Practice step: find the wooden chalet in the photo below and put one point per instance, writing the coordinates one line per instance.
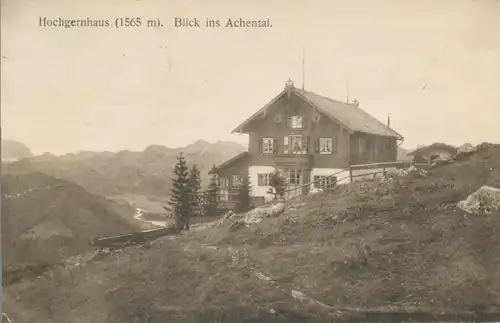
(307, 137)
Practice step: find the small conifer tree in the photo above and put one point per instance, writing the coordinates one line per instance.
(194, 186)
(212, 195)
(278, 184)
(244, 196)
(180, 193)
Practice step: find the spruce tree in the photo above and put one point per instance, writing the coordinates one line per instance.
(194, 186)
(180, 193)
(212, 197)
(244, 196)
(278, 184)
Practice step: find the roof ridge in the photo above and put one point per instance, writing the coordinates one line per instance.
(328, 98)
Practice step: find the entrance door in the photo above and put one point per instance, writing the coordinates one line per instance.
(296, 178)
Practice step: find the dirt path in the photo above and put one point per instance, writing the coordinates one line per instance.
(5, 318)
(138, 216)
(239, 258)
(31, 190)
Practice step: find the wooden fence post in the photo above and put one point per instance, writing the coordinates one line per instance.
(350, 174)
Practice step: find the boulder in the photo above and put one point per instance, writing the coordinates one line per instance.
(412, 170)
(228, 215)
(484, 201)
(258, 214)
(237, 225)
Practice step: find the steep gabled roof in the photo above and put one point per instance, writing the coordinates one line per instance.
(229, 162)
(259, 112)
(349, 115)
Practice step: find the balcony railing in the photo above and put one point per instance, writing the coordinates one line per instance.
(324, 183)
(304, 160)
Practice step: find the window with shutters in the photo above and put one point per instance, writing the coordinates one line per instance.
(298, 145)
(267, 145)
(263, 179)
(224, 194)
(223, 182)
(325, 145)
(286, 150)
(237, 181)
(324, 181)
(296, 122)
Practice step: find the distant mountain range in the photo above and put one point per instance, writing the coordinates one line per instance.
(45, 219)
(147, 172)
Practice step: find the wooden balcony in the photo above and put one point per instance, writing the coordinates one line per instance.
(300, 161)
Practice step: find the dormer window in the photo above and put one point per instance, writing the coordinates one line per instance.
(295, 122)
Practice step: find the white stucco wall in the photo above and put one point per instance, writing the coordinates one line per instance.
(253, 172)
(342, 175)
(327, 172)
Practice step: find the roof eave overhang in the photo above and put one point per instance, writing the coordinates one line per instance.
(395, 136)
(228, 162)
(261, 112)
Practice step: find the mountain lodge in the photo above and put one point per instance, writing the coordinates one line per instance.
(307, 137)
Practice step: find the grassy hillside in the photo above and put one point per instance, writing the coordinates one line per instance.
(373, 244)
(45, 219)
(402, 242)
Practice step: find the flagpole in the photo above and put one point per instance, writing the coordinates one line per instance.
(303, 69)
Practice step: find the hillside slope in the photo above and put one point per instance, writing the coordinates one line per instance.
(45, 219)
(148, 172)
(398, 243)
(13, 150)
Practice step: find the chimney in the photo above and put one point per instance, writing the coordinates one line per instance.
(289, 86)
(389, 121)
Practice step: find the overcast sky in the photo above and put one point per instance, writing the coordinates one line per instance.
(433, 65)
